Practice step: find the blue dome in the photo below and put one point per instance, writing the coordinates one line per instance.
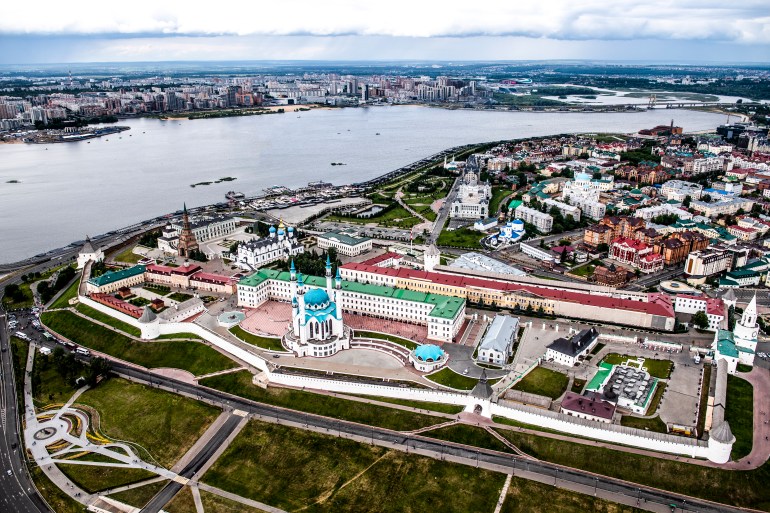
(272, 229)
(429, 353)
(291, 228)
(316, 297)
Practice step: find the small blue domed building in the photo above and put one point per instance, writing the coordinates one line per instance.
(428, 357)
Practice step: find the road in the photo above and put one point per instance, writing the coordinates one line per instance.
(412, 442)
(200, 459)
(655, 278)
(388, 438)
(17, 492)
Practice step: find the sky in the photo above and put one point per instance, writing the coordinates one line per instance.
(684, 31)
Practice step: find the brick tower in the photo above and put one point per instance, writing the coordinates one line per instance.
(187, 240)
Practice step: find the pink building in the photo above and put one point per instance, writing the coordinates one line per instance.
(636, 254)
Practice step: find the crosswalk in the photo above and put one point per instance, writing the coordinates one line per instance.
(2, 417)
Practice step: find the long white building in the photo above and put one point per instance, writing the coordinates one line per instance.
(442, 315)
(566, 210)
(678, 190)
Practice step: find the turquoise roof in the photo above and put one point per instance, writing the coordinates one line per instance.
(429, 353)
(726, 344)
(316, 297)
(445, 307)
(113, 276)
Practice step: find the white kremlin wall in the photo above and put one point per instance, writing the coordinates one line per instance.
(521, 413)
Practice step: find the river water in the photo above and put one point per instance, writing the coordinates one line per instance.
(73, 189)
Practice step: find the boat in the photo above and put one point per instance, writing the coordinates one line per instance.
(233, 195)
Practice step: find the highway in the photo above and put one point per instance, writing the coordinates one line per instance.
(17, 492)
(411, 442)
(30, 502)
(200, 459)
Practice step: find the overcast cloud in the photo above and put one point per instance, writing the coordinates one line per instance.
(325, 29)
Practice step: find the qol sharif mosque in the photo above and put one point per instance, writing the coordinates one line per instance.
(316, 317)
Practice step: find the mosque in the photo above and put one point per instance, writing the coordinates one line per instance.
(316, 318)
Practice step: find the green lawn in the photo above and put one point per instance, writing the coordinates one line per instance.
(193, 357)
(239, 383)
(19, 353)
(653, 406)
(164, 424)
(172, 336)
(585, 270)
(161, 290)
(451, 379)
(216, 504)
(657, 368)
(499, 192)
(141, 495)
(653, 424)
(438, 407)
(468, 435)
(739, 412)
(69, 293)
(109, 320)
(542, 381)
(526, 496)
(94, 478)
(179, 296)
(49, 387)
(59, 501)
(127, 256)
(409, 344)
(577, 385)
(742, 367)
(460, 238)
(270, 343)
(293, 469)
(745, 488)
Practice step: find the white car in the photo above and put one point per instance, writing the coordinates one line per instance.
(762, 355)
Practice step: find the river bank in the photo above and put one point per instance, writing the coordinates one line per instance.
(95, 187)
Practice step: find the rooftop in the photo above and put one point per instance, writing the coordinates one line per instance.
(113, 276)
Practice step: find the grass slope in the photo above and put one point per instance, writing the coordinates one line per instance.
(528, 497)
(292, 469)
(109, 320)
(739, 412)
(141, 495)
(270, 343)
(190, 356)
(745, 488)
(69, 293)
(239, 383)
(468, 435)
(542, 381)
(165, 424)
(94, 478)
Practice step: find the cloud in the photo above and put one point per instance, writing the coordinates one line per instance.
(746, 22)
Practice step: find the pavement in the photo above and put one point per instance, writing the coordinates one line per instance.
(759, 378)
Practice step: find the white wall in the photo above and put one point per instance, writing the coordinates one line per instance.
(184, 327)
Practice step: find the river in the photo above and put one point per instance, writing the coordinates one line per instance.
(73, 189)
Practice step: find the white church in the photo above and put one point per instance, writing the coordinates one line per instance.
(316, 317)
(739, 345)
(280, 244)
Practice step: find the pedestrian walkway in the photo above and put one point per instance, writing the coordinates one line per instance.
(760, 449)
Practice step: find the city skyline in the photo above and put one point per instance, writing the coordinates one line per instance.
(628, 30)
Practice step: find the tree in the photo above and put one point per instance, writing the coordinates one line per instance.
(731, 317)
(700, 320)
(603, 247)
(13, 292)
(686, 202)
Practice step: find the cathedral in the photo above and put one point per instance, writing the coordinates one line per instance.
(316, 317)
(739, 345)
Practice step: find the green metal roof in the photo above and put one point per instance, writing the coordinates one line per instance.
(742, 273)
(726, 343)
(344, 238)
(445, 307)
(113, 276)
(513, 204)
(605, 369)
